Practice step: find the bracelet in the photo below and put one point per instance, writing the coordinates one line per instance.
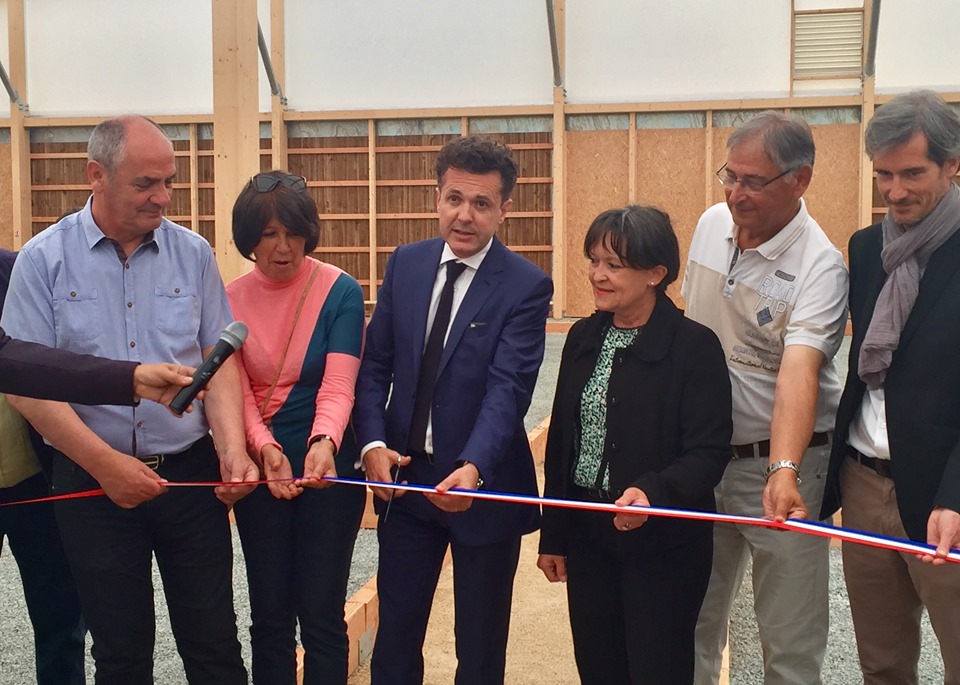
(782, 464)
(318, 438)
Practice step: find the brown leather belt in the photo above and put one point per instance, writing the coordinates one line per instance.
(761, 450)
(881, 467)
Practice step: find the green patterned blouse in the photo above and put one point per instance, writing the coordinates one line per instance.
(593, 410)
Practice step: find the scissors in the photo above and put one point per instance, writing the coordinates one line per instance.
(396, 479)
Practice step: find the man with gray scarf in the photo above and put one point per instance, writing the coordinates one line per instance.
(895, 463)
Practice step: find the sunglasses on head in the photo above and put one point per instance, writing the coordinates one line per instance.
(264, 183)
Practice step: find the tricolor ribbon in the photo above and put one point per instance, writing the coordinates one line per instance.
(796, 525)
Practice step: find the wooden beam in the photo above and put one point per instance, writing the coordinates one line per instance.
(421, 113)
(793, 43)
(709, 165)
(194, 181)
(866, 114)
(632, 159)
(19, 135)
(703, 105)
(236, 124)
(278, 128)
(372, 195)
(560, 173)
(56, 121)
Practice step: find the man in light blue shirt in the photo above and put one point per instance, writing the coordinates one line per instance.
(119, 280)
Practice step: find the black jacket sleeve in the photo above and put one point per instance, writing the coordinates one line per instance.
(45, 373)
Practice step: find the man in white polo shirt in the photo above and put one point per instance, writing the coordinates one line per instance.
(764, 276)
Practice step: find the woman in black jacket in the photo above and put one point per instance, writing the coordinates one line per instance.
(641, 416)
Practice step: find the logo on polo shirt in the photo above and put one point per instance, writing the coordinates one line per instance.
(785, 276)
(764, 316)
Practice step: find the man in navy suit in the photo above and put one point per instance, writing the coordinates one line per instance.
(454, 417)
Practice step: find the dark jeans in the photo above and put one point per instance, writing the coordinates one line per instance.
(48, 588)
(298, 554)
(633, 612)
(110, 551)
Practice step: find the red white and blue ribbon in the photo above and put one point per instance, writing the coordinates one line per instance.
(796, 525)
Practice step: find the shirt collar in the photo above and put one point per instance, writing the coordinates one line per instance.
(785, 237)
(94, 235)
(473, 261)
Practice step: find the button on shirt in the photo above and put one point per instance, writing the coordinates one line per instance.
(868, 430)
(164, 303)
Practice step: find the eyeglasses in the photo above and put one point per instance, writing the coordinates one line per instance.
(264, 183)
(751, 184)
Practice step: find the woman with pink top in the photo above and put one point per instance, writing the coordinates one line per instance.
(299, 365)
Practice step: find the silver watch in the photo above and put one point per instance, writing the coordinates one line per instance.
(782, 464)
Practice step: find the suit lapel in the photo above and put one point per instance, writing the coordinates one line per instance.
(936, 277)
(484, 282)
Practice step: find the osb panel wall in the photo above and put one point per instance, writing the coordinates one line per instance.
(670, 173)
(597, 180)
(6, 201)
(833, 197)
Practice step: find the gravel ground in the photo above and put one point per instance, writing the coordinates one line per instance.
(840, 667)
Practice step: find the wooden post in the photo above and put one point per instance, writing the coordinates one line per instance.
(278, 129)
(559, 173)
(632, 156)
(708, 173)
(236, 121)
(19, 135)
(866, 165)
(194, 181)
(866, 114)
(372, 180)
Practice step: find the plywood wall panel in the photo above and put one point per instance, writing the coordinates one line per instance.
(670, 175)
(6, 201)
(597, 179)
(833, 197)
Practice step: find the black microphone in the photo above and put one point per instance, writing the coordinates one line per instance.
(230, 341)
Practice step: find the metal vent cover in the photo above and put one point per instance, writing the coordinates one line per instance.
(828, 44)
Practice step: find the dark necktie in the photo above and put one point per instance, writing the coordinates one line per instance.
(430, 364)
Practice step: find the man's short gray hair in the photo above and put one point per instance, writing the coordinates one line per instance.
(920, 111)
(108, 141)
(786, 140)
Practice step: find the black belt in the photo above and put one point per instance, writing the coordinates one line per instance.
(761, 450)
(881, 467)
(583, 494)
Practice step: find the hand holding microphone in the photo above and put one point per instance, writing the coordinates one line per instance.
(230, 341)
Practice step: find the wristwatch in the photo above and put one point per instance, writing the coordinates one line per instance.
(464, 462)
(782, 464)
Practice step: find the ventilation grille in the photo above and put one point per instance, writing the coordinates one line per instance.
(828, 44)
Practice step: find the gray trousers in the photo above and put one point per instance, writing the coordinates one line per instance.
(790, 579)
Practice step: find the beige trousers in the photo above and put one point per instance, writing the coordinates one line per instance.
(888, 589)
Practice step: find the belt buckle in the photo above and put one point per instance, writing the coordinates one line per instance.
(152, 461)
